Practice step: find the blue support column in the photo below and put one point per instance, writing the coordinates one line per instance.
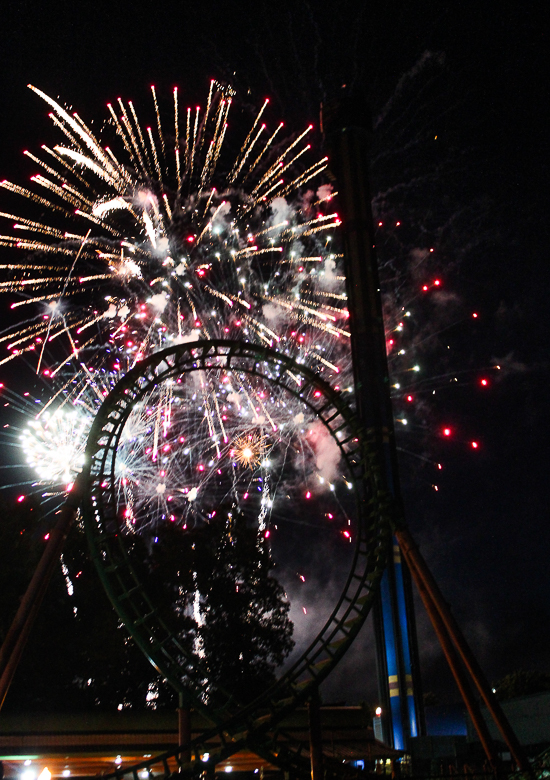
(406, 631)
(392, 665)
(347, 126)
(395, 668)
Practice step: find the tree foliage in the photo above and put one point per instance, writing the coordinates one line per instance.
(79, 654)
(242, 630)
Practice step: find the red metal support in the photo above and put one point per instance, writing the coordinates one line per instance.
(457, 671)
(427, 584)
(18, 633)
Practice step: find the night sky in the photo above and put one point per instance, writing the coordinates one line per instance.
(479, 81)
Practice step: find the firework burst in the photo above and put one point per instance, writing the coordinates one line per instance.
(248, 450)
(53, 445)
(171, 241)
(163, 235)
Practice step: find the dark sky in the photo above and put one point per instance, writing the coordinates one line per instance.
(486, 532)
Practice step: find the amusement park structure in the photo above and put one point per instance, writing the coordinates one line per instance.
(347, 129)
(398, 669)
(377, 578)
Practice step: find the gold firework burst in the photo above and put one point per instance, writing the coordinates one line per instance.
(248, 449)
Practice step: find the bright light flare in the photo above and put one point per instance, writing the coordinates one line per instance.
(54, 444)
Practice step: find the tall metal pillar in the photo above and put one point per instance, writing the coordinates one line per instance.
(184, 732)
(346, 127)
(315, 737)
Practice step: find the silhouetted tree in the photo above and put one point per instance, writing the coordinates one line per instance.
(80, 655)
(223, 575)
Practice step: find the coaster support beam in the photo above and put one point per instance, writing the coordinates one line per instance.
(444, 619)
(20, 629)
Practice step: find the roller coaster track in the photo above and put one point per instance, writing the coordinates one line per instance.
(234, 724)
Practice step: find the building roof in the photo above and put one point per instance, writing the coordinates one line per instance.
(89, 743)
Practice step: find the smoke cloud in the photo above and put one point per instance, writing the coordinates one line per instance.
(327, 452)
